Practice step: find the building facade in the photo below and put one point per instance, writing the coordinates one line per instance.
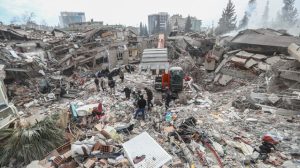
(180, 22)
(196, 23)
(158, 23)
(86, 25)
(67, 18)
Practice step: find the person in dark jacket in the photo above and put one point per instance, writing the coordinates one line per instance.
(111, 84)
(97, 84)
(149, 98)
(103, 84)
(141, 107)
(121, 74)
(127, 92)
(168, 99)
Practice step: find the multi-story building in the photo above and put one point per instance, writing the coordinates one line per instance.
(67, 18)
(180, 22)
(196, 24)
(86, 25)
(158, 23)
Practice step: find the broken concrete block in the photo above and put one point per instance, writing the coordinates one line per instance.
(244, 54)
(225, 79)
(294, 50)
(224, 61)
(103, 162)
(263, 66)
(273, 98)
(259, 57)
(290, 164)
(250, 63)
(238, 60)
(273, 60)
(90, 163)
(217, 78)
(290, 75)
(210, 64)
(177, 163)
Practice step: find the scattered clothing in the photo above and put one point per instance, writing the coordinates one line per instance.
(98, 112)
(138, 159)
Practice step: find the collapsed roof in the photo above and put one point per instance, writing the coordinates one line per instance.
(265, 41)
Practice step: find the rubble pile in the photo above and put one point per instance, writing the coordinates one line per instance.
(240, 108)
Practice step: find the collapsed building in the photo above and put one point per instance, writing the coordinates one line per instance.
(240, 95)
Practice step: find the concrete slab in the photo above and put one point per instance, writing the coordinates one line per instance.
(244, 54)
(250, 63)
(225, 79)
(259, 57)
(150, 148)
(273, 60)
(294, 50)
(238, 60)
(263, 66)
(273, 98)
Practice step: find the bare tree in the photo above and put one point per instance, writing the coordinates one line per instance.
(14, 20)
(28, 17)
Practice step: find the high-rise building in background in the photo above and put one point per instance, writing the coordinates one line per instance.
(158, 23)
(67, 18)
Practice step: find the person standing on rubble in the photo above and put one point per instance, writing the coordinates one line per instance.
(121, 74)
(141, 107)
(97, 83)
(111, 84)
(168, 98)
(149, 98)
(103, 84)
(127, 92)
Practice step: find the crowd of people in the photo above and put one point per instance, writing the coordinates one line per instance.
(139, 100)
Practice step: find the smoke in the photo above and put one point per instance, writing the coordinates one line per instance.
(251, 7)
(255, 19)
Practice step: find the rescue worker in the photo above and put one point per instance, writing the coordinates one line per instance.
(141, 108)
(127, 92)
(103, 84)
(121, 74)
(168, 99)
(149, 98)
(97, 83)
(111, 84)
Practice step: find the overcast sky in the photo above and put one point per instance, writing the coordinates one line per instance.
(129, 12)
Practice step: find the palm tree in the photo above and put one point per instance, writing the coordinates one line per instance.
(29, 143)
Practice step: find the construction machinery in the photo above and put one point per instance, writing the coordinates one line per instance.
(172, 78)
